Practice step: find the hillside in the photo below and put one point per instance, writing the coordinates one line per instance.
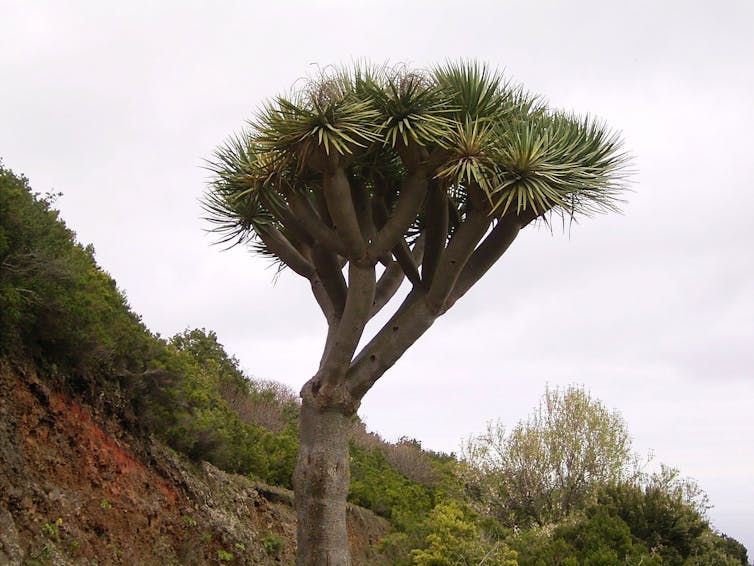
(162, 447)
(78, 489)
(121, 447)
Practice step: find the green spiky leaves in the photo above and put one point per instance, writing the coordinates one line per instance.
(474, 91)
(544, 163)
(411, 107)
(337, 125)
(559, 163)
(329, 114)
(244, 177)
(462, 126)
(471, 150)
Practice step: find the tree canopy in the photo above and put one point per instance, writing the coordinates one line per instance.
(429, 173)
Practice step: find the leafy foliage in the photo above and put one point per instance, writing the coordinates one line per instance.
(665, 512)
(207, 428)
(59, 308)
(552, 463)
(567, 481)
(379, 487)
(600, 539)
(630, 524)
(56, 305)
(454, 538)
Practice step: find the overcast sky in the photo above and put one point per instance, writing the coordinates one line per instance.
(117, 104)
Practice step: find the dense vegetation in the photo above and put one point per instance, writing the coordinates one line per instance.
(562, 487)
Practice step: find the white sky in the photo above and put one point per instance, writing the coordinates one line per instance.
(117, 104)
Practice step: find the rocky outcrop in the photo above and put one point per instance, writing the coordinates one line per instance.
(75, 488)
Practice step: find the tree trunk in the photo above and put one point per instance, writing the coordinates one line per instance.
(321, 482)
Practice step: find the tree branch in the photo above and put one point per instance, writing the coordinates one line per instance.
(337, 192)
(323, 300)
(436, 223)
(485, 255)
(331, 333)
(391, 279)
(363, 206)
(311, 222)
(412, 319)
(330, 274)
(284, 250)
(379, 206)
(454, 259)
(387, 286)
(350, 327)
(407, 263)
(287, 218)
(410, 201)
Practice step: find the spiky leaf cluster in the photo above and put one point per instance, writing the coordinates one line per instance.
(471, 133)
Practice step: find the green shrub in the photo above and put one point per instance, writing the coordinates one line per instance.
(454, 538)
(272, 544)
(56, 305)
(379, 487)
(224, 555)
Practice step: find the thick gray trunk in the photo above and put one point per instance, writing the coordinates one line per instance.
(321, 482)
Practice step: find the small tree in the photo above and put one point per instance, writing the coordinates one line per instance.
(364, 178)
(551, 464)
(453, 538)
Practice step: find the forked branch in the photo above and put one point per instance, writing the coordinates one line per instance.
(403, 215)
(350, 327)
(337, 191)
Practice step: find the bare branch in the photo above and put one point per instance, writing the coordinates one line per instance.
(350, 327)
(397, 222)
(379, 206)
(363, 206)
(323, 300)
(283, 213)
(485, 255)
(337, 192)
(454, 259)
(412, 319)
(329, 271)
(387, 286)
(312, 223)
(437, 220)
(284, 250)
(329, 341)
(407, 262)
(391, 279)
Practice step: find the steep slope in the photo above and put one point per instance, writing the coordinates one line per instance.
(75, 488)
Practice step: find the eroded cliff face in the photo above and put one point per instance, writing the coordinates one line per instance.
(76, 488)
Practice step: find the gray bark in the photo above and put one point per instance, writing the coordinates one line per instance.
(321, 481)
(342, 224)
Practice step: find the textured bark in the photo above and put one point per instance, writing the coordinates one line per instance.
(412, 319)
(321, 482)
(312, 223)
(484, 257)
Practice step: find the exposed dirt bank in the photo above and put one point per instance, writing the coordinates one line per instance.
(77, 489)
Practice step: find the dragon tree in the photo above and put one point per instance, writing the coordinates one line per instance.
(366, 178)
